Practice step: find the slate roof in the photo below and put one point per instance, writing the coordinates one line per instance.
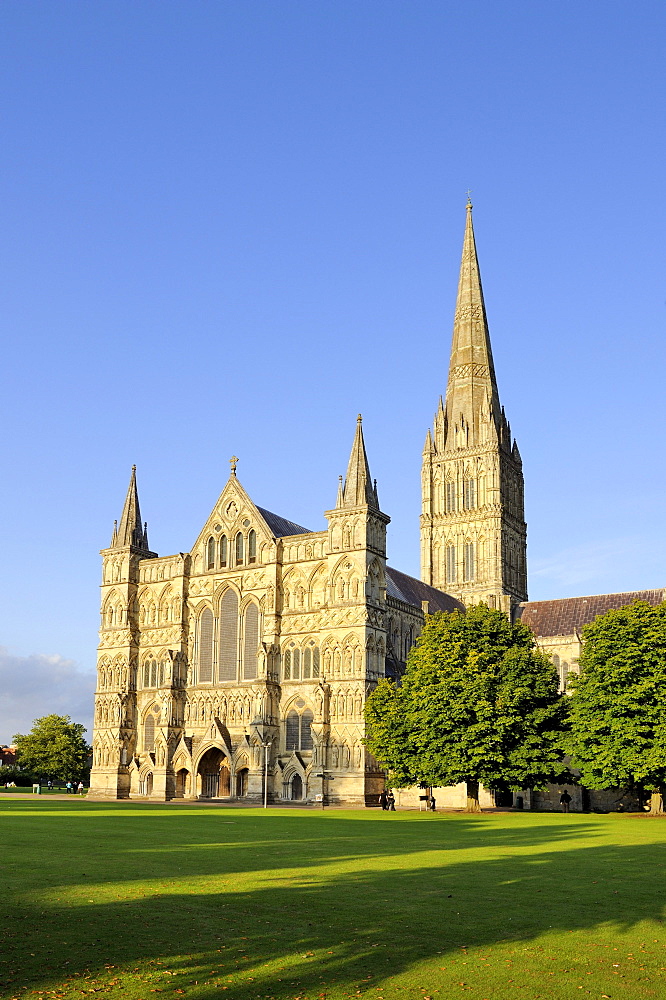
(568, 615)
(280, 526)
(409, 590)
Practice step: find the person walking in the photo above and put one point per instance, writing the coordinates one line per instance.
(383, 800)
(80, 788)
(68, 787)
(565, 799)
(390, 801)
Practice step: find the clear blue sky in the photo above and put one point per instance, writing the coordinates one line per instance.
(229, 227)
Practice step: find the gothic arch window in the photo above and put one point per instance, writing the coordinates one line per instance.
(286, 665)
(228, 643)
(252, 546)
(210, 550)
(450, 564)
(298, 730)
(206, 646)
(292, 727)
(150, 673)
(295, 663)
(240, 548)
(149, 733)
(469, 494)
(250, 641)
(223, 551)
(315, 661)
(449, 496)
(469, 567)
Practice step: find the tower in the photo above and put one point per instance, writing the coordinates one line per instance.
(473, 531)
(114, 740)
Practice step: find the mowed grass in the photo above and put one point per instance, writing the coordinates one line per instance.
(199, 902)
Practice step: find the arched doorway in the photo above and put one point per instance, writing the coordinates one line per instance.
(147, 784)
(296, 787)
(215, 776)
(182, 783)
(241, 782)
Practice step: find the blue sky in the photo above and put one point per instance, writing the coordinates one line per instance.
(229, 227)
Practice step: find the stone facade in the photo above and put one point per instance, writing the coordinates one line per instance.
(253, 653)
(242, 667)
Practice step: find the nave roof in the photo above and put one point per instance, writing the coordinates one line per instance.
(568, 615)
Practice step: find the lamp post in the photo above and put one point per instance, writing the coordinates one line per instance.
(324, 778)
(266, 747)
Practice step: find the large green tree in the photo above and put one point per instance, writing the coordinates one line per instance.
(478, 703)
(618, 706)
(55, 747)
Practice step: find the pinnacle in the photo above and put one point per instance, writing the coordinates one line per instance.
(358, 490)
(129, 531)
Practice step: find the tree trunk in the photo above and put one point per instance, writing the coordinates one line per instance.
(473, 797)
(657, 803)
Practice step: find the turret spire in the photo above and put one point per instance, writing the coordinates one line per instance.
(358, 489)
(130, 530)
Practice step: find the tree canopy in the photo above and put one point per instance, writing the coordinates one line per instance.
(478, 703)
(55, 747)
(618, 707)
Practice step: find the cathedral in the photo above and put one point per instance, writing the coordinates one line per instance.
(239, 670)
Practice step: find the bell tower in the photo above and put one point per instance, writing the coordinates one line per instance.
(473, 531)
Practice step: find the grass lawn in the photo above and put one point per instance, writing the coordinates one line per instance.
(136, 900)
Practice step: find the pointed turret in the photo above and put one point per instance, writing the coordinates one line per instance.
(358, 490)
(130, 530)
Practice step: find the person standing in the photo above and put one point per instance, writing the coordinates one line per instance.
(383, 800)
(565, 799)
(390, 802)
(80, 788)
(68, 787)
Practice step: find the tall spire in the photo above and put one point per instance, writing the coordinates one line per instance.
(471, 371)
(130, 530)
(358, 490)
(473, 531)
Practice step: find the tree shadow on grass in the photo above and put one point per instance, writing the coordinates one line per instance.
(327, 931)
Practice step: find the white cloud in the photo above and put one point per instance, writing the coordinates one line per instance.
(37, 685)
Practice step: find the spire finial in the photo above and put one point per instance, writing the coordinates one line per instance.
(233, 462)
(359, 419)
(469, 200)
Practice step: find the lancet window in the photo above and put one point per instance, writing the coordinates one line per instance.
(240, 548)
(450, 563)
(250, 641)
(210, 550)
(223, 550)
(252, 546)
(469, 567)
(228, 644)
(469, 494)
(149, 733)
(206, 646)
(299, 730)
(449, 497)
